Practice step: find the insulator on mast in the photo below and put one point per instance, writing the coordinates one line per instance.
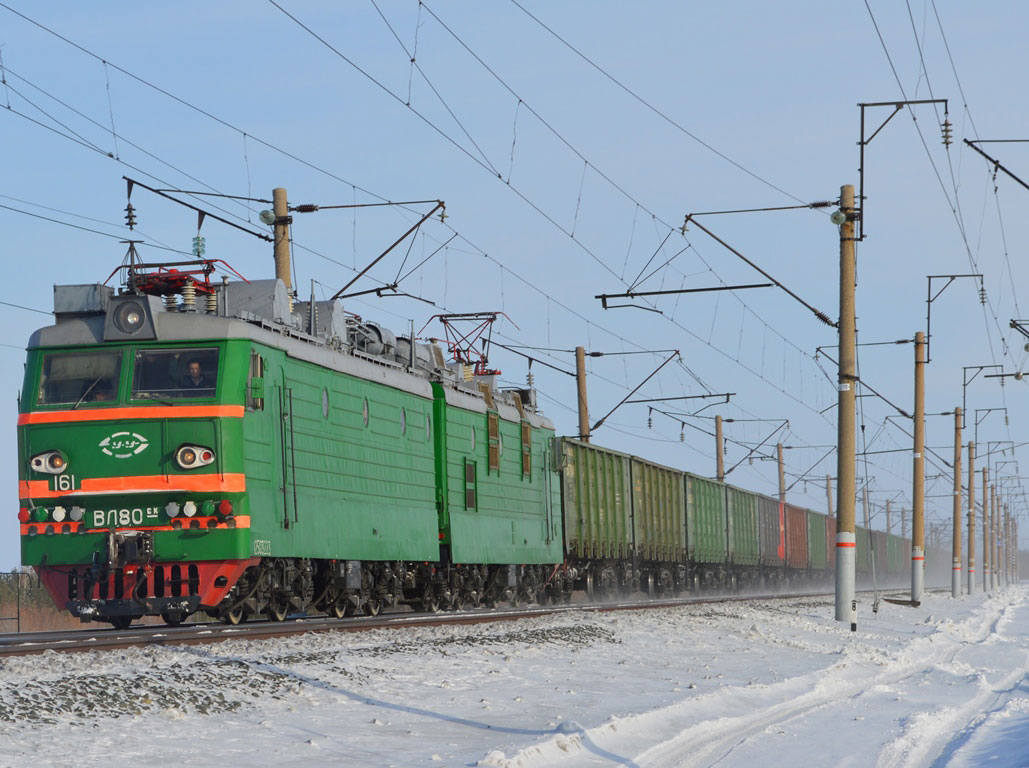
(650, 418)
(130, 216)
(947, 132)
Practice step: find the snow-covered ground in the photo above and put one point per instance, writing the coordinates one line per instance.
(747, 684)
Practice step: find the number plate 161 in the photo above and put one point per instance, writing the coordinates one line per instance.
(63, 483)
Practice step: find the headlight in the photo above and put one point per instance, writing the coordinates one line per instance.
(51, 462)
(129, 317)
(192, 456)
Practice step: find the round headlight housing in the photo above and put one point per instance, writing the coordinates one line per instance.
(192, 456)
(51, 462)
(129, 317)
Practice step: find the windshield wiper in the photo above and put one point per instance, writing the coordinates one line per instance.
(89, 389)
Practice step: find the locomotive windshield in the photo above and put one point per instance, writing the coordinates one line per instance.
(175, 373)
(79, 377)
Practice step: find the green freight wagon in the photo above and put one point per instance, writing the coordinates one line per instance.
(817, 549)
(595, 499)
(897, 558)
(744, 542)
(830, 541)
(706, 531)
(881, 555)
(862, 563)
(624, 520)
(659, 526)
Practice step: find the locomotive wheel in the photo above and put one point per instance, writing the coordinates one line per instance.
(591, 589)
(120, 622)
(277, 611)
(372, 607)
(337, 609)
(234, 616)
(651, 586)
(172, 618)
(429, 602)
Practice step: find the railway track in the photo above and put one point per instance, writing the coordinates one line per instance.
(99, 638)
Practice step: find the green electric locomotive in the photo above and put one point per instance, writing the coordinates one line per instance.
(187, 446)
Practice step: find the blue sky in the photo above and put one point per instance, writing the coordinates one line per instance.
(565, 176)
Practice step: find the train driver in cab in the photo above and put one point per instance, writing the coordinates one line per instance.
(195, 382)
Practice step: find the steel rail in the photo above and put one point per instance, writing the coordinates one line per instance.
(107, 639)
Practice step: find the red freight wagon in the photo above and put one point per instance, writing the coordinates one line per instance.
(770, 525)
(796, 537)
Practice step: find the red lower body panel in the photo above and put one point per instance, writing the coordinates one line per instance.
(207, 582)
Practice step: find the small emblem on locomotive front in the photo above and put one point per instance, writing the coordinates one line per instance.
(122, 445)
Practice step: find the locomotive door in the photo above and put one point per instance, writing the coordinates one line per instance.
(548, 495)
(263, 447)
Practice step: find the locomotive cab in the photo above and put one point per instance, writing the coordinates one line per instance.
(132, 495)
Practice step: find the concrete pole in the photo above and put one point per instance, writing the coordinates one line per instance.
(1005, 523)
(719, 450)
(903, 523)
(986, 529)
(918, 476)
(846, 466)
(281, 250)
(990, 534)
(580, 380)
(994, 550)
(971, 517)
(1012, 546)
(998, 542)
(889, 519)
(955, 581)
(828, 495)
(1003, 544)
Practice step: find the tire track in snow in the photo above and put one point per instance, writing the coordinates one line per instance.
(933, 738)
(691, 738)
